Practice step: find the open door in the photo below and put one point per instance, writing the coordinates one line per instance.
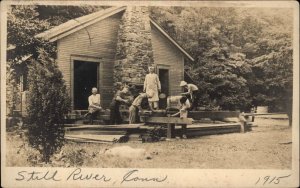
(164, 81)
(85, 78)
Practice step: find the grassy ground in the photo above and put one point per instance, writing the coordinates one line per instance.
(267, 146)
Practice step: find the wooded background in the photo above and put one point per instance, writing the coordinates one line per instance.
(243, 56)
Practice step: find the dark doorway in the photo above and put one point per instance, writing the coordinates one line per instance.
(164, 81)
(85, 78)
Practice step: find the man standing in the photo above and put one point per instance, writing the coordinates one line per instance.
(94, 105)
(191, 93)
(119, 98)
(152, 84)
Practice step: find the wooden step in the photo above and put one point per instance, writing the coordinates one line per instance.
(211, 132)
(102, 127)
(95, 132)
(81, 117)
(213, 126)
(87, 141)
(102, 138)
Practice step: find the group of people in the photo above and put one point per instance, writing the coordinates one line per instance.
(151, 90)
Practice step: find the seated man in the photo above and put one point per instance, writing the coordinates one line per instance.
(183, 112)
(184, 107)
(94, 105)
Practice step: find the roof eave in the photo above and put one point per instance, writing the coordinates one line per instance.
(52, 35)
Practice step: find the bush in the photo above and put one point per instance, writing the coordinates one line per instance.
(47, 104)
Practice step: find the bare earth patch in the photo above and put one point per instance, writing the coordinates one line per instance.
(267, 146)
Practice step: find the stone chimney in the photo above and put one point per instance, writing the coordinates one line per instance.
(134, 49)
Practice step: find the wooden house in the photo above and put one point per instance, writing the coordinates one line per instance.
(115, 45)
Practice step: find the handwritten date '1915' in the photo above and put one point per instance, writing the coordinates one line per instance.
(266, 180)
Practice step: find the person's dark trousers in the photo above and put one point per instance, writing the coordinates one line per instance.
(195, 100)
(115, 115)
(93, 116)
(137, 117)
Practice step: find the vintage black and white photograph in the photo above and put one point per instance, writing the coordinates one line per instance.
(155, 86)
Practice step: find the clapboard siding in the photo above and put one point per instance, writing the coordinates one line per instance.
(97, 40)
(165, 53)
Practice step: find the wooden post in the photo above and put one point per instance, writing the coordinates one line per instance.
(243, 122)
(170, 131)
(173, 130)
(254, 111)
(183, 130)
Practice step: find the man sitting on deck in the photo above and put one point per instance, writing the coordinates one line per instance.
(94, 105)
(183, 111)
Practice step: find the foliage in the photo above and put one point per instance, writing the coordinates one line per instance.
(23, 23)
(21, 27)
(243, 56)
(48, 102)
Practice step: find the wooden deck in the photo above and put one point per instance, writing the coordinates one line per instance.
(195, 125)
(101, 133)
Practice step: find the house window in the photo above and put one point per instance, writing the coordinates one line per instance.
(24, 82)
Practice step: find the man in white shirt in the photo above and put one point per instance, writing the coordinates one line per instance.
(94, 105)
(152, 85)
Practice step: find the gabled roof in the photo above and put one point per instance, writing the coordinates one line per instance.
(76, 24)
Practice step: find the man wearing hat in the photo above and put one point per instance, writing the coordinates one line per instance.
(152, 84)
(191, 93)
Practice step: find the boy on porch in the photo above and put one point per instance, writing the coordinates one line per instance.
(152, 84)
(94, 105)
(183, 112)
(136, 106)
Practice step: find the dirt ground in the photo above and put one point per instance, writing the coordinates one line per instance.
(269, 145)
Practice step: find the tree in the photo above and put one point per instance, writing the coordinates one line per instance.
(242, 56)
(48, 102)
(23, 23)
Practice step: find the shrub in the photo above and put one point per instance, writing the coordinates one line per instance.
(47, 104)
